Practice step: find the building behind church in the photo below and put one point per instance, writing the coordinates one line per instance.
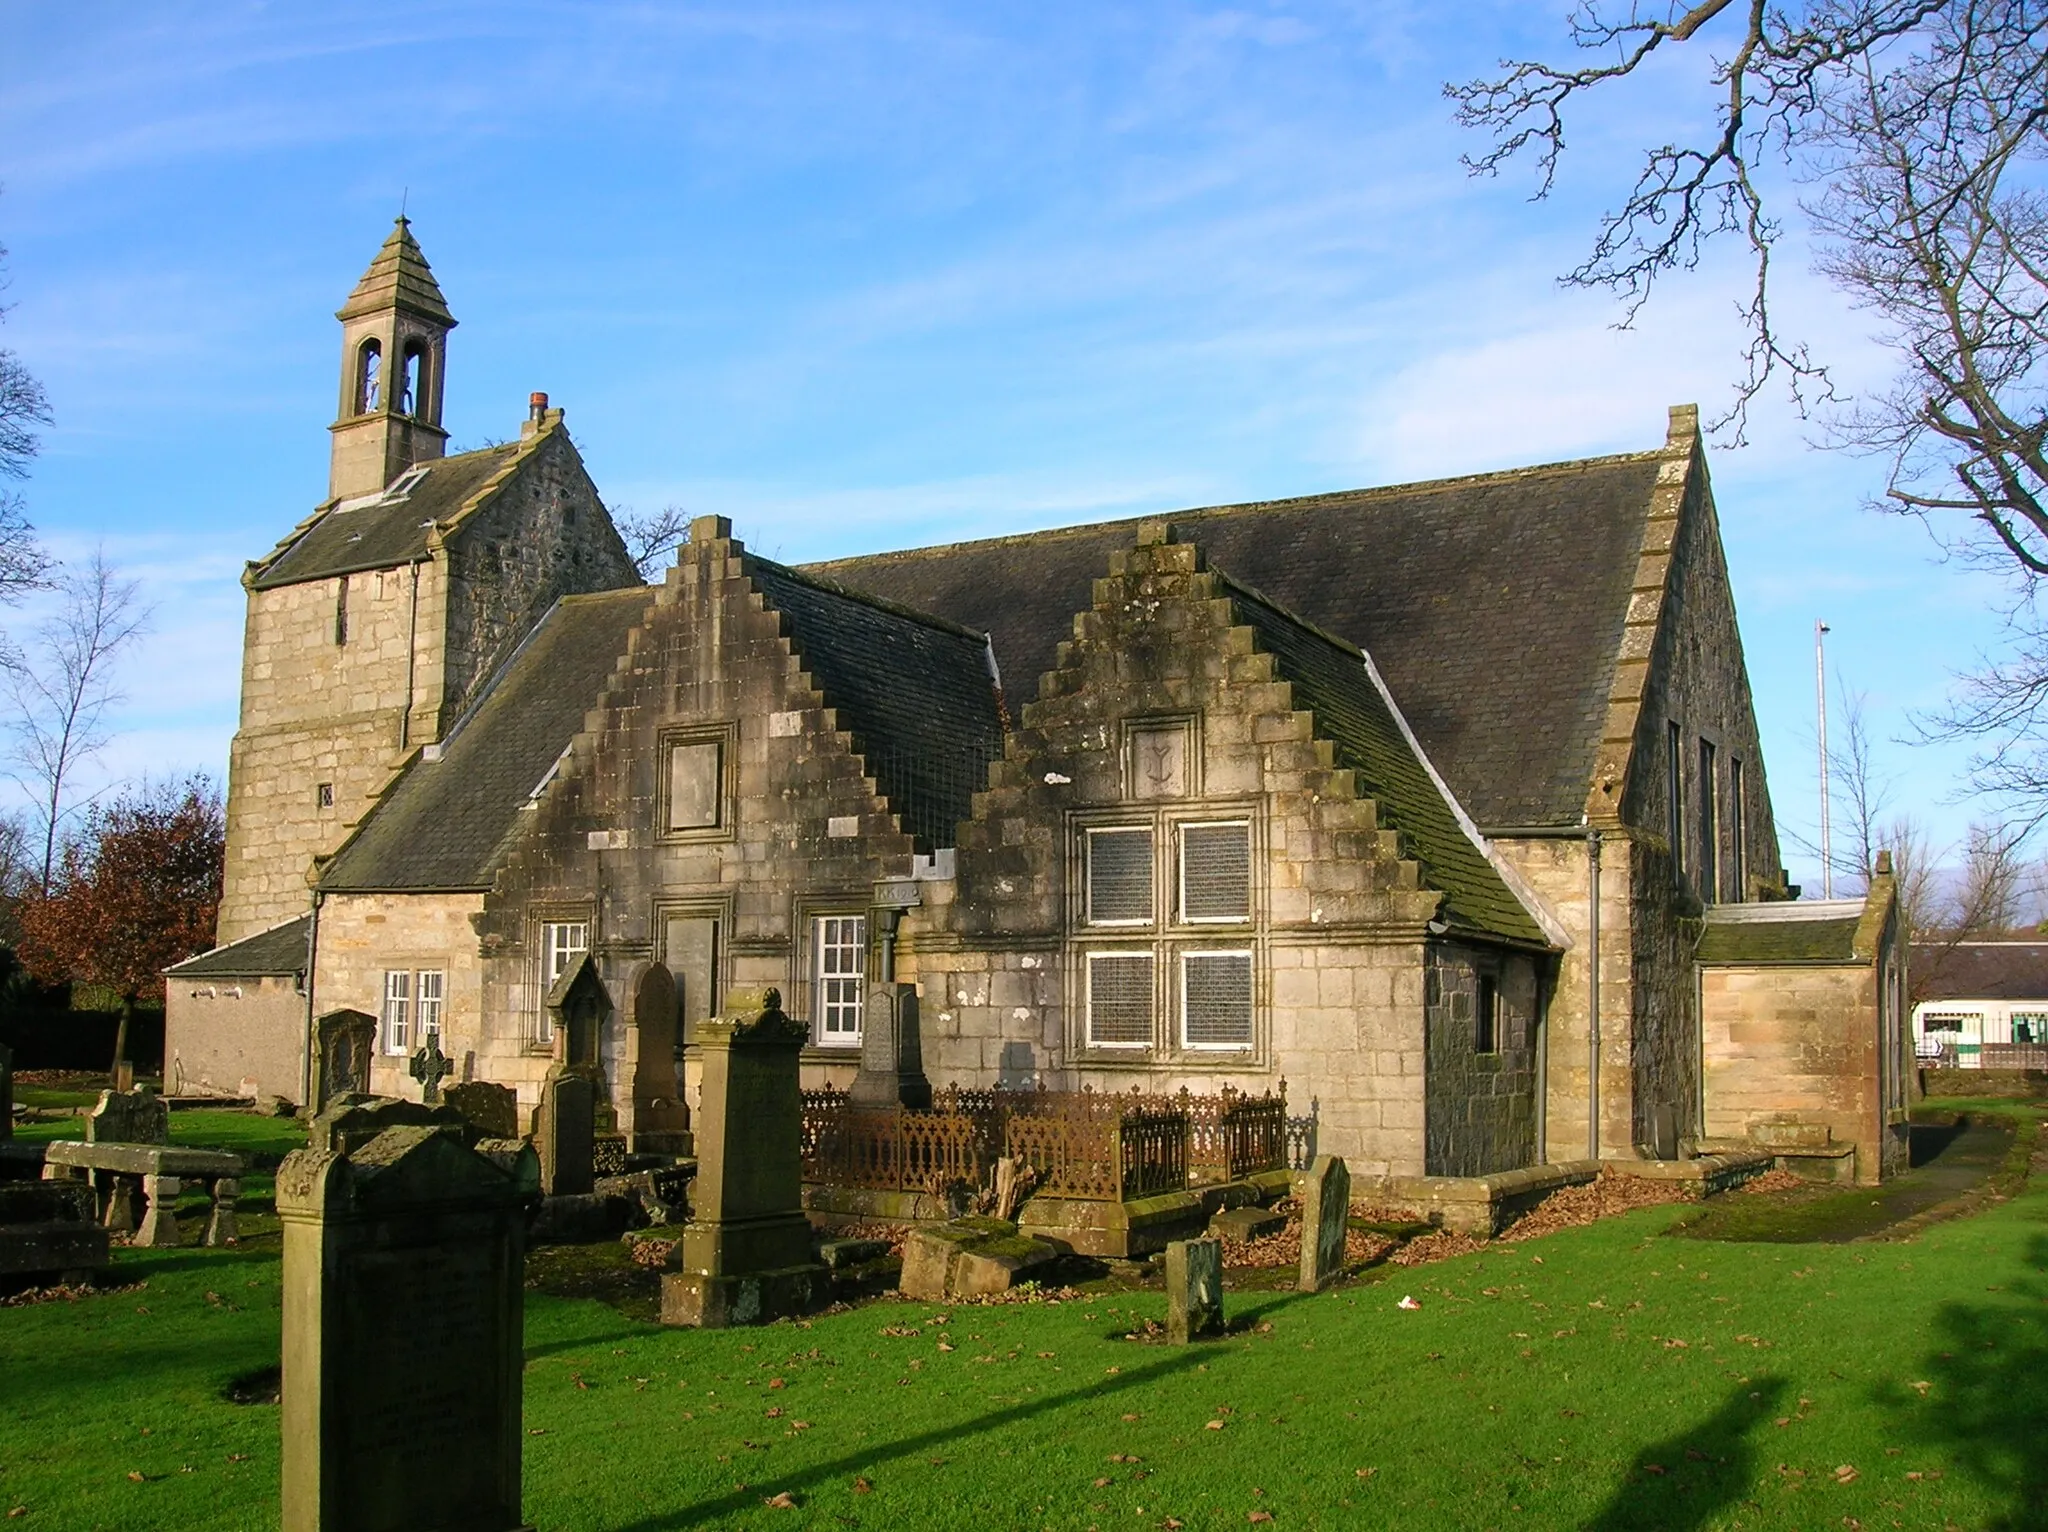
(1442, 803)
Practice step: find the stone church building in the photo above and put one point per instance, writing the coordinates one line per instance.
(1442, 803)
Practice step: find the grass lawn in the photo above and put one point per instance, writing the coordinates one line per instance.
(1607, 1377)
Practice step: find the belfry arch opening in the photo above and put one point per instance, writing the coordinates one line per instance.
(369, 376)
(412, 383)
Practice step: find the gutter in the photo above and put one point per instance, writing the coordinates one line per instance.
(1592, 993)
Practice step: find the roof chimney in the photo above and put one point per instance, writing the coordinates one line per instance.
(536, 412)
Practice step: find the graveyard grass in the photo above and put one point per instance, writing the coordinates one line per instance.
(1606, 1377)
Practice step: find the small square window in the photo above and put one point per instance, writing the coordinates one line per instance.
(1215, 872)
(323, 795)
(1120, 999)
(1120, 877)
(1216, 999)
(696, 785)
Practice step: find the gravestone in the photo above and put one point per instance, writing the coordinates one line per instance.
(430, 1066)
(578, 1005)
(491, 1109)
(891, 1052)
(352, 1121)
(564, 1133)
(129, 1117)
(746, 1256)
(1324, 1191)
(659, 1122)
(341, 1056)
(404, 1290)
(1194, 1289)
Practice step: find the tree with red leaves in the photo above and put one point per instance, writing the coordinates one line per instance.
(135, 892)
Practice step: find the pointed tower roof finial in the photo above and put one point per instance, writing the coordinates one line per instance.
(399, 278)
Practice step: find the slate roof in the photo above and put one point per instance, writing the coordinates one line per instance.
(387, 531)
(1763, 934)
(268, 954)
(1980, 970)
(1330, 679)
(444, 823)
(1493, 606)
(913, 690)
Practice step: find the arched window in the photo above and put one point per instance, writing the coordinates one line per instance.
(412, 382)
(369, 376)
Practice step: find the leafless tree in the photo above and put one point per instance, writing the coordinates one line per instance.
(61, 688)
(1832, 88)
(1913, 862)
(1994, 872)
(23, 407)
(653, 538)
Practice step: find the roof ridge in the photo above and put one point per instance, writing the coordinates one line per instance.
(1239, 507)
(832, 587)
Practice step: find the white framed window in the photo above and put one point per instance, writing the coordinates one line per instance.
(1216, 872)
(1119, 999)
(1216, 1000)
(1120, 876)
(839, 958)
(561, 943)
(1951, 1021)
(398, 1011)
(428, 987)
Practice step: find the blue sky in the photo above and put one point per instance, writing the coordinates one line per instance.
(874, 275)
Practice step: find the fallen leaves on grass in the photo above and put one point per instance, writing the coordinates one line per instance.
(862, 1487)
(782, 1502)
(1774, 1181)
(1283, 1248)
(1847, 1474)
(65, 1292)
(1440, 1246)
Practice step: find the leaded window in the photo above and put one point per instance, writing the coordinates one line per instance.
(1120, 876)
(1215, 872)
(1216, 999)
(398, 1011)
(1120, 999)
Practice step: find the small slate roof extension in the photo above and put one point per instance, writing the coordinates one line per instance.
(268, 954)
(1762, 934)
(386, 531)
(1980, 970)
(444, 824)
(1493, 606)
(1331, 680)
(913, 690)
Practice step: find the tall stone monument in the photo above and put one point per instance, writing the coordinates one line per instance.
(657, 1121)
(564, 1134)
(746, 1257)
(891, 1053)
(1324, 1190)
(404, 1301)
(342, 1044)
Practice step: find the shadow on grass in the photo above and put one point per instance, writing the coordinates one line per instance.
(1689, 1478)
(1987, 1402)
(718, 1512)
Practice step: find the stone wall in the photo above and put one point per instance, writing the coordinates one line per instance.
(1481, 1113)
(364, 936)
(1791, 1059)
(235, 1037)
(542, 536)
(421, 637)
(801, 832)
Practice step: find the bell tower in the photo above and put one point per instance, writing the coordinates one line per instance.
(394, 352)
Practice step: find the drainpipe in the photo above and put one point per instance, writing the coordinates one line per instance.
(1593, 994)
(412, 649)
(306, 1062)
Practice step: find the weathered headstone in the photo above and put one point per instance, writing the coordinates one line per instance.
(746, 1255)
(659, 1122)
(563, 1133)
(128, 1117)
(891, 1052)
(342, 1041)
(578, 1004)
(404, 1290)
(430, 1066)
(1324, 1192)
(1194, 1289)
(490, 1108)
(352, 1121)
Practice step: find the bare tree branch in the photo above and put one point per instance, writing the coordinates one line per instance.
(651, 539)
